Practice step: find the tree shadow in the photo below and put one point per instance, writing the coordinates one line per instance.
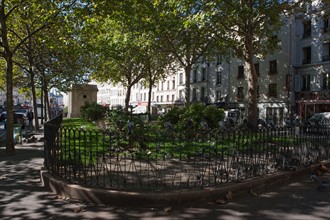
(23, 197)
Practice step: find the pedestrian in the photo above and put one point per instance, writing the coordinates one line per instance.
(297, 124)
(30, 118)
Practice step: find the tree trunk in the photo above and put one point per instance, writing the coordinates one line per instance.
(46, 101)
(127, 98)
(34, 100)
(187, 70)
(149, 97)
(10, 145)
(252, 80)
(32, 81)
(42, 104)
(7, 54)
(34, 97)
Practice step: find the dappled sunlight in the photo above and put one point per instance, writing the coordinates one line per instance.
(269, 195)
(23, 197)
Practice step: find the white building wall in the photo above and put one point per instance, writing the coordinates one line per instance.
(288, 79)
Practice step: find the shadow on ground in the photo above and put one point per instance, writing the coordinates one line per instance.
(23, 197)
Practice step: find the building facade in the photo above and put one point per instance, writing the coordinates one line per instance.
(311, 66)
(294, 80)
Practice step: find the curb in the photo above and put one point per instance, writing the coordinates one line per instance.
(160, 199)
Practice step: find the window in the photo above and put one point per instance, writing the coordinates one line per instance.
(307, 54)
(194, 95)
(326, 27)
(203, 74)
(240, 73)
(288, 82)
(218, 78)
(239, 93)
(161, 98)
(202, 98)
(258, 93)
(273, 67)
(172, 98)
(274, 115)
(167, 98)
(168, 85)
(326, 52)
(272, 90)
(217, 95)
(173, 83)
(307, 29)
(256, 66)
(162, 88)
(306, 83)
(326, 81)
(194, 75)
(181, 79)
(181, 92)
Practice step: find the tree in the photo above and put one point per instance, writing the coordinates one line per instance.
(180, 28)
(183, 29)
(60, 60)
(158, 65)
(129, 37)
(118, 56)
(13, 35)
(251, 31)
(11, 40)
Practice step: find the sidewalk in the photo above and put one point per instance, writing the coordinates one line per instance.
(23, 197)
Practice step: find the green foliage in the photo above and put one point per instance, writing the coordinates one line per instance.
(119, 121)
(93, 111)
(172, 116)
(191, 117)
(77, 123)
(213, 115)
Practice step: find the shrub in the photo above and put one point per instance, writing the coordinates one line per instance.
(172, 116)
(92, 111)
(212, 115)
(192, 116)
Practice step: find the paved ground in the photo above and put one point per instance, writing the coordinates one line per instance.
(22, 197)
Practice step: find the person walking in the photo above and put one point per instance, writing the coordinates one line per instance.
(30, 118)
(297, 124)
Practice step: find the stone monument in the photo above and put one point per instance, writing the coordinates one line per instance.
(78, 96)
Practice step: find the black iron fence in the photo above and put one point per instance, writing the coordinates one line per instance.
(166, 159)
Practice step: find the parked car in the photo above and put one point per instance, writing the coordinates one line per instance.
(231, 117)
(2, 109)
(19, 118)
(319, 123)
(23, 111)
(320, 117)
(3, 116)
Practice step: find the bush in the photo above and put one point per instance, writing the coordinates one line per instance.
(212, 115)
(92, 111)
(192, 116)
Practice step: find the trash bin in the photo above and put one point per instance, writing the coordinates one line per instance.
(17, 133)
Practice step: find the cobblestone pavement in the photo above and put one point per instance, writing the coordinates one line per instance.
(23, 197)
